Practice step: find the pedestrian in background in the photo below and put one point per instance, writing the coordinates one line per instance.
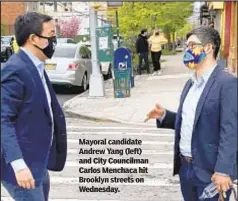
(33, 127)
(142, 49)
(206, 121)
(155, 42)
(14, 45)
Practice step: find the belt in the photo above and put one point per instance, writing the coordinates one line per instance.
(186, 158)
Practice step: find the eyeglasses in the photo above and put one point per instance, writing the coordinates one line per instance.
(192, 45)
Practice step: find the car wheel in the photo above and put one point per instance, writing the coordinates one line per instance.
(84, 85)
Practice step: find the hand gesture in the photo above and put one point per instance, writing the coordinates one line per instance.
(156, 113)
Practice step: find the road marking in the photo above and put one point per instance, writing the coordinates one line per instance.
(119, 128)
(147, 182)
(63, 199)
(151, 165)
(119, 133)
(143, 143)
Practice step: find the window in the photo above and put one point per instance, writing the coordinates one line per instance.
(67, 52)
(84, 52)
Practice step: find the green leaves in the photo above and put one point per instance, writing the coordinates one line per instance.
(169, 16)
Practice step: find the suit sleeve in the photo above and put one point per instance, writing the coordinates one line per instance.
(168, 121)
(226, 159)
(12, 94)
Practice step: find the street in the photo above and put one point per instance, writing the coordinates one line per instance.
(157, 147)
(63, 93)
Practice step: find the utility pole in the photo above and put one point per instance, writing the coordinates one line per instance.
(118, 31)
(43, 7)
(96, 83)
(116, 5)
(55, 6)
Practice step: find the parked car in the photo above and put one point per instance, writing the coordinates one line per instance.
(70, 65)
(105, 67)
(66, 40)
(6, 49)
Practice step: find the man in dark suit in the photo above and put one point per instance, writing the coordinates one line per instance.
(33, 127)
(142, 49)
(206, 121)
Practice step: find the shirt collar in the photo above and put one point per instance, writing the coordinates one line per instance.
(37, 62)
(204, 76)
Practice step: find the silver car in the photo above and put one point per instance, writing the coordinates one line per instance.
(70, 65)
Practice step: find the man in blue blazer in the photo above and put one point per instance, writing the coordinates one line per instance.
(33, 127)
(206, 121)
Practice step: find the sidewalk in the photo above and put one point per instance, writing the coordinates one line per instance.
(148, 90)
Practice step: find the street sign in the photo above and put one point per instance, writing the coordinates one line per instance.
(104, 44)
(122, 72)
(114, 4)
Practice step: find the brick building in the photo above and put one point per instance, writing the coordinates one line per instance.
(9, 12)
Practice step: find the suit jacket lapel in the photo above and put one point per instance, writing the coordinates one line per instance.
(205, 93)
(34, 74)
(54, 102)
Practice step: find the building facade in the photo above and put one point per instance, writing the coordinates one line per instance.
(224, 16)
(9, 12)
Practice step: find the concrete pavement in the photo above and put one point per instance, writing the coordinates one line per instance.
(148, 90)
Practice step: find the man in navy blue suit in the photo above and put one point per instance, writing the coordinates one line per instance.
(33, 127)
(206, 121)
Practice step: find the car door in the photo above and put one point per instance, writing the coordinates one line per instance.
(88, 61)
(85, 56)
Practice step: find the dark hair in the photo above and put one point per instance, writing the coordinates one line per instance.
(143, 31)
(207, 35)
(30, 23)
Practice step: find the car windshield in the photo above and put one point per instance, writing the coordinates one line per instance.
(67, 52)
(65, 40)
(5, 40)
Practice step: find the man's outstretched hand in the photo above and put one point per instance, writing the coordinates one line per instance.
(156, 113)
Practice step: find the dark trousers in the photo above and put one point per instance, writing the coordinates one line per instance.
(156, 60)
(144, 56)
(191, 187)
(40, 193)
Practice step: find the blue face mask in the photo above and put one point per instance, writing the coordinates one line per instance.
(193, 57)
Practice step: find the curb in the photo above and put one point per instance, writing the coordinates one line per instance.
(86, 117)
(107, 120)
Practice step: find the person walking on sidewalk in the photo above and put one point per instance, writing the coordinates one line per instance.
(142, 49)
(206, 121)
(155, 42)
(14, 45)
(33, 127)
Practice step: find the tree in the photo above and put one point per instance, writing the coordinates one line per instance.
(69, 27)
(168, 16)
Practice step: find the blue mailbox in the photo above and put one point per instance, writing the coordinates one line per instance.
(122, 72)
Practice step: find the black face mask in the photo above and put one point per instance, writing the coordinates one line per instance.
(50, 48)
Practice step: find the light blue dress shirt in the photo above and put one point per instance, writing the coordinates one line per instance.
(189, 111)
(20, 164)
